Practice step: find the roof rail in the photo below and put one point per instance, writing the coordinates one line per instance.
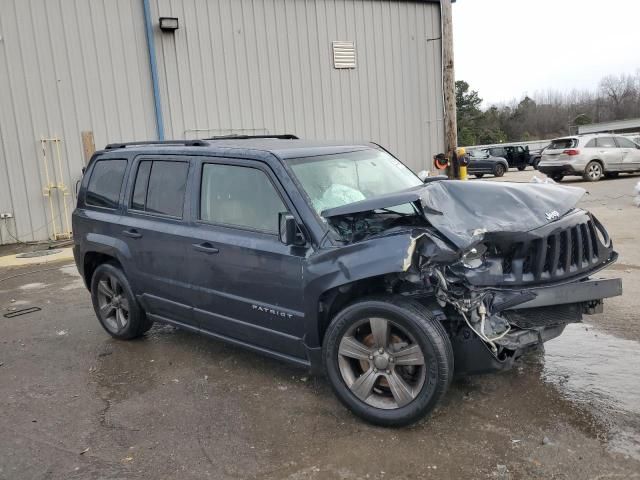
(286, 136)
(188, 143)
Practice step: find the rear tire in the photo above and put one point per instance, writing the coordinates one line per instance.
(557, 177)
(611, 174)
(115, 304)
(521, 167)
(479, 175)
(593, 171)
(388, 360)
(499, 170)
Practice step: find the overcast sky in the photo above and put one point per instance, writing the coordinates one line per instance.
(508, 48)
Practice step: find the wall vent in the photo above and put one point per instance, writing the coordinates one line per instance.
(344, 54)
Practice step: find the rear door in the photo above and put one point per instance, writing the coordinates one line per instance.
(154, 229)
(521, 156)
(630, 154)
(608, 152)
(247, 284)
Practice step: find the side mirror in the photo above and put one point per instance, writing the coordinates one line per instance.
(423, 175)
(288, 231)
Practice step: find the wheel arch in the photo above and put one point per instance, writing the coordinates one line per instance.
(334, 299)
(92, 260)
(597, 160)
(99, 249)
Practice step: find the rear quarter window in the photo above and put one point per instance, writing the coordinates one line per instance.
(105, 183)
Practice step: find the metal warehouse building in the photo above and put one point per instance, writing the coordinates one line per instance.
(76, 70)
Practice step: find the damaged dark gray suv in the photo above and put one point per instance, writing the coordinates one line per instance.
(337, 258)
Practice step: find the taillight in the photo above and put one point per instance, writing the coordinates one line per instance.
(572, 151)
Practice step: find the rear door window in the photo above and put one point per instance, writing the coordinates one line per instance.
(606, 142)
(105, 183)
(591, 143)
(160, 187)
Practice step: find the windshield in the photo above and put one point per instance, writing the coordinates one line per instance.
(335, 180)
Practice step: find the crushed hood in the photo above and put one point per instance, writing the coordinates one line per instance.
(465, 211)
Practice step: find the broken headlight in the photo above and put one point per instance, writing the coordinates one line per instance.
(474, 257)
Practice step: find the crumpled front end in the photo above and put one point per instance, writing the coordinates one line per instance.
(509, 264)
(509, 292)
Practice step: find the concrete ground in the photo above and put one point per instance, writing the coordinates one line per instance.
(75, 403)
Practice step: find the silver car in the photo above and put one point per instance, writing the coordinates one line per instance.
(590, 156)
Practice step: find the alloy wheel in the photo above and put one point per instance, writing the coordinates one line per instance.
(381, 363)
(594, 171)
(113, 305)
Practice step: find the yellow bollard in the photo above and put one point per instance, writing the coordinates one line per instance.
(462, 162)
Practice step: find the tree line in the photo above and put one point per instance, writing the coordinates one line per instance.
(545, 115)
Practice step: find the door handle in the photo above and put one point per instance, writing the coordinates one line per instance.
(132, 232)
(205, 247)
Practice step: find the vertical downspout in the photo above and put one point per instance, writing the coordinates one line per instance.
(154, 69)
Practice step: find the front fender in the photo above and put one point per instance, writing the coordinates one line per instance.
(331, 268)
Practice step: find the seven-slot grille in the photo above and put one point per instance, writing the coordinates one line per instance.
(563, 253)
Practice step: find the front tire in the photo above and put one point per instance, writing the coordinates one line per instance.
(388, 360)
(115, 305)
(593, 171)
(499, 170)
(521, 167)
(479, 175)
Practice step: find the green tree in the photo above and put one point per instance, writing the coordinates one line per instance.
(468, 113)
(582, 119)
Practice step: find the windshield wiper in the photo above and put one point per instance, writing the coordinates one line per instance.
(393, 212)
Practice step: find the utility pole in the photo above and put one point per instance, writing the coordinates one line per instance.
(448, 79)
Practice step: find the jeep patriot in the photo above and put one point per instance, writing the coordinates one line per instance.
(337, 258)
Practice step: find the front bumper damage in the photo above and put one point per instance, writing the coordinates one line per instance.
(539, 315)
(519, 289)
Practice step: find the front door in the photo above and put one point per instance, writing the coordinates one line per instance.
(153, 228)
(247, 284)
(630, 154)
(609, 153)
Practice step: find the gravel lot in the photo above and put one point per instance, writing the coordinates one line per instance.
(76, 404)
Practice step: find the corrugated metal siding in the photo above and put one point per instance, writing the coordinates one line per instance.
(266, 66)
(65, 66)
(616, 125)
(246, 66)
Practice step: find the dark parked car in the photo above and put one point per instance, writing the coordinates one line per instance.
(337, 258)
(517, 156)
(481, 163)
(536, 156)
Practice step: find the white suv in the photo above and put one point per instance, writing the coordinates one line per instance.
(591, 156)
